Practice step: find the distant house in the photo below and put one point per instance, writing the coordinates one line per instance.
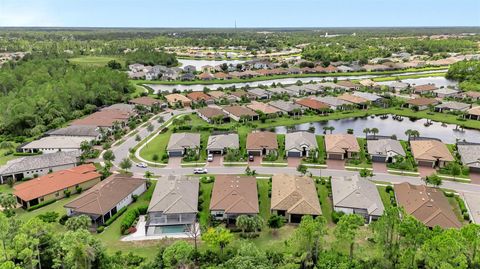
(294, 197)
(446, 92)
(313, 104)
(264, 108)
(385, 150)
(174, 206)
(206, 76)
(238, 112)
(421, 89)
(287, 107)
(108, 118)
(341, 146)
(299, 144)
(452, 106)
(472, 95)
(370, 97)
(432, 153)
(358, 101)
(350, 85)
(334, 102)
(106, 198)
(29, 166)
(54, 186)
(189, 68)
(421, 103)
(354, 195)
(211, 114)
(261, 143)
(260, 94)
(233, 196)
(187, 77)
(399, 86)
(179, 143)
(52, 144)
(147, 102)
(368, 83)
(197, 97)
(91, 131)
(176, 98)
(470, 155)
(428, 205)
(220, 143)
(474, 113)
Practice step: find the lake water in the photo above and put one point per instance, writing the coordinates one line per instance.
(389, 126)
(199, 63)
(284, 81)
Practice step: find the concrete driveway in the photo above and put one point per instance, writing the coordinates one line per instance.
(475, 177)
(257, 161)
(174, 162)
(379, 167)
(217, 161)
(336, 164)
(426, 171)
(294, 161)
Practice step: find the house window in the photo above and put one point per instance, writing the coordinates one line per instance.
(41, 199)
(57, 194)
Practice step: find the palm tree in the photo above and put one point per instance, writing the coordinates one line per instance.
(331, 129)
(374, 132)
(366, 131)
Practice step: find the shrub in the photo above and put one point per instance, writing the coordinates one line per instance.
(63, 219)
(100, 229)
(131, 216)
(134, 198)
(336, 216)
(41, 205)
(79, 189)
(115, 216)
(67, 193)
(49, 217)
(388, 188)
(155, 157)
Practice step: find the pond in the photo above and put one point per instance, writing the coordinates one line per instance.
(284, 81)
(199, 63)
(389, 126)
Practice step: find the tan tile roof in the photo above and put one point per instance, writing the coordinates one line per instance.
(473, 94)
(197, 96)
(56, 181)
(295, 194)
(211, 112)
(216, 94)
(175, 97)
(430, 150)
(240, 111)
(265, 108)
(353, 99)
(235, 194)
(101, 198)
(312, 104)
(103, 118)
(145, 101)
(337, 143)
(474, 111)
(425, 88)
(428, 205)
(421, 101)
(260, 140)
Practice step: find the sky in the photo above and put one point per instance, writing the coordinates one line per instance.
(246, 13)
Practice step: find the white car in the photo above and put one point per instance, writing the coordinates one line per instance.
(210, 158)
(142, 165)
(200, 171)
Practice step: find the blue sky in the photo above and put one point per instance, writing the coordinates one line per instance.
(247, 13)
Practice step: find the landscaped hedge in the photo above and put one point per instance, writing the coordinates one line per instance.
(41, 205)
(131, 216)
(115, 216)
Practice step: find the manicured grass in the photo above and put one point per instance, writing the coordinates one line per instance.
(156, 146)
(4, 188)
(5, 158)
(362, 161)
(57, 206)
(206, 194)
(385, 196)
(325, 202)
(456, 209)
(96, 60)
(264, 200)
(322, 155)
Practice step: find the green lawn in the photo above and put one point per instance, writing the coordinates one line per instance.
(96, 60)
(4, 188)
(362, 161)
(264, 200)
(5, 158)
(456, 209)
(325, 202)
(156, 146)
(385, 196)
(204, 214)
(393, 78)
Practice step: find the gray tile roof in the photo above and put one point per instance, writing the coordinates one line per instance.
(332, 101)
(285, 105)
(223, 141)
(472, 201)
(369, 96)
(445, 91)
(76, 130)
(385, 147)
(175, 195)
(355, 192)
(470, 155)
(179, 141)
(258, 92)
(58, 142)
(453, 105)
(298, 139)
(40, 161)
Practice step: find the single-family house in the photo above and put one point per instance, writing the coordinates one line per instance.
(334, 102)
(341, 146)
(147, 102)
(300, 144)
(428, 205)
(355, 195)
(107, 119)
(176, 98)
(260, 94)
(452, 106)
(350, 85)
(106, 198)
(206, 76)
(425, 88)
(52, 144)
(261, 143)
(233, 196)
(238, 113)
(198, 97)
(212, 114)
(473, 113)
(294, 197)
(264, 108)
(189, 68)
(421, 103)
(472, 203)
(91, 131)
(220, 143)
(187, 77)
(31, 166)
(472, 95)
(370, 97)
(174, 206)
(56, 185)
(470, 155)
(432, 153)
(368, 83)
(356, 100)
(385, 150)
(446, 92)
(179, 143)
(313, 104)
(398, 86)
(287, 107)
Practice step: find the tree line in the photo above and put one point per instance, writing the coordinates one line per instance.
(467, 73)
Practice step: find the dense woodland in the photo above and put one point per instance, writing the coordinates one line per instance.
(397, 241)
(467, 73)
(37, 94)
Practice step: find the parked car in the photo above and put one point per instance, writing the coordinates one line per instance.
(142, 165)
(251, 158)
(210, 158)
(200, 171)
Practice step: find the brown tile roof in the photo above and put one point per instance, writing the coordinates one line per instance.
(175, 97)
(421, 101)
(211, 112)
(221, 75)
(312, 104)
(240, 111)
(472, 94)
(56, 181)
(217, 94)
(474, 111)
(235, 194)
(205, 76)
(339, 142)
(261, 140)
(428, 205)
(103, 118)
(425, 88)
(197, 96)
(353, 99)
(265, 108)
(430, 150)
(239, 94)
(295, 194)
(145, 101)
(101, 198)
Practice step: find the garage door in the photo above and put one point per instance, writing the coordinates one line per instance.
(254, 153)
(175, 153)
(379, 159)
(335, 156)
(425, 163)
(475, 170)
(294, 154)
